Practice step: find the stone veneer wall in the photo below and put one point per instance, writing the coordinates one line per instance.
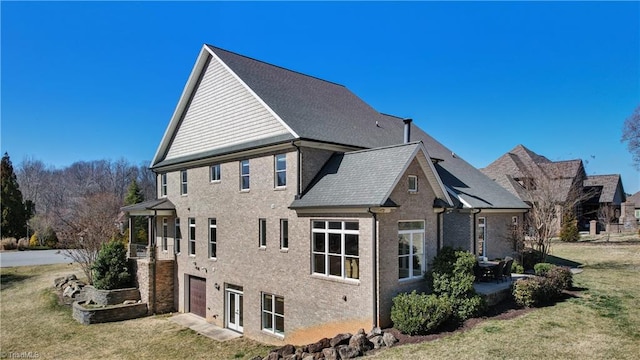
(164, 296)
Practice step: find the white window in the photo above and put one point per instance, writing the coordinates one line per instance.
(284, 234)
(273, 314)
(411, 255)
(214, 173)
(281, 170)
(335, 249)
(262, 232)
(244, 175)
(481, 246)
(165, 233)
(183, 182)
(192, 236)
(163, 184)
(213, 238)
(178, 237)
(413, 183)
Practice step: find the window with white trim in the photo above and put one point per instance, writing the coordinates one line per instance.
(481, 247)
(280, 170)
(411, 254)
(213, 238)
(183, 182)
(273, 314)
(413, 183)
(335, 248)
(192, 236)
(244, 175)
(177, 237)
(163, 184)
(284, 234)
(214, 173)
(165, 233)
(262, 232)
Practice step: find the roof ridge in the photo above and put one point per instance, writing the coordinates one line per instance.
(276, 66)
(384, 147)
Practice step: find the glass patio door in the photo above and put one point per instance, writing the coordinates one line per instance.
(234, 310)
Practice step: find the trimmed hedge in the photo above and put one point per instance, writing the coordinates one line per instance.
(539, 290)
(542, 268)
(419, 313)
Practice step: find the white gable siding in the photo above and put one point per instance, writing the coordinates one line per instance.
(222, 113)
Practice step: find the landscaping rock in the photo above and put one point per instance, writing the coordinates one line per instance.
(377, 341)
(374, 332)
(285, 350)
(360, 342)
(330, 353)
(389, 339)
(348, 352)
(308, 357)
(318, 346)
(129, 302)
(340, 339)
(272, 356)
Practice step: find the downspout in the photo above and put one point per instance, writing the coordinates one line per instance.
(374, 268)
(439, 230)
(152, 256)
(299, 172)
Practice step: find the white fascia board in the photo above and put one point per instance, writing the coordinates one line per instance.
(429, 163)
(189, 88)
(275, 115)
(464, 203)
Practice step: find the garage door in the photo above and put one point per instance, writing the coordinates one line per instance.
(198, 296)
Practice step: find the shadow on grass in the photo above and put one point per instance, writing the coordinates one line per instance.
(609, 265)
(562, 261)
(10, 279)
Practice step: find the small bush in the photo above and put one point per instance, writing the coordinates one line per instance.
(560, 277)
(542, 268)
(543, 289)
(23, 244)
(419, 313)
(33, 242)
(517, 268)
(569, 231)
(9, 244)
(528, 292)
(530, 258)
(110, 270)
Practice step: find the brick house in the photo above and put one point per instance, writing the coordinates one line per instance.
(289, 210)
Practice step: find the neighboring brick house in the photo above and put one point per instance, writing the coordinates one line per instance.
(292, 210)
(520, 169)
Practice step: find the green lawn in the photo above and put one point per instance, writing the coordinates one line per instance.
(603, 322)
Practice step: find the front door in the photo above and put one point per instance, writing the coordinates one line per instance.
(234, 309)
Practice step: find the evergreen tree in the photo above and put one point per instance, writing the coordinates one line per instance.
(15, 213)
(135, 196)
(569, 230)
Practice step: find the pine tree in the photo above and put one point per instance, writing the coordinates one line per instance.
(569, 231)
(14, 211)
(135, 196)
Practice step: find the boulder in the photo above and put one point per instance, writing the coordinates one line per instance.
(319, 345)
(374, 332)
(389, 339)
(340, 339)
(330, 353)
(360, 342)
(272, 356)
(70, 292)
(291, 357)
(308, 356)
(285, 350)
(361, 331)
(348, 352)
(58, 282)
(377, 341)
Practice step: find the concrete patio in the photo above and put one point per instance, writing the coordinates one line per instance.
(494, 292)
(202, 327)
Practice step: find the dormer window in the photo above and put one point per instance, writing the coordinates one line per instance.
(413, 183)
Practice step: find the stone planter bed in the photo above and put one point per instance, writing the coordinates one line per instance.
(87, 312)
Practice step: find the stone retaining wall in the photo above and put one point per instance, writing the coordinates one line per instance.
(111, 297)
(110, 313)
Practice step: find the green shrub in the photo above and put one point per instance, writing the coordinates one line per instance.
(542, 268)
(543, 289)
(569, 231)
(529, 292)
(560, 277)
(419, 313)
(530, 258)
(453, 279)
(516, 268)
(110, 270)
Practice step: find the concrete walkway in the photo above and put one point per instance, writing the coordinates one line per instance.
(202, 327)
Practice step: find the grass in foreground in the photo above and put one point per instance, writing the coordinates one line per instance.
(32, 321)
(602, 323)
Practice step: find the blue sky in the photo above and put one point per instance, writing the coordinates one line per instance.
(100, 80)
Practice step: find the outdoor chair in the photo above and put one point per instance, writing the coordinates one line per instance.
(507, 268)
(498, 271)
(479, 272)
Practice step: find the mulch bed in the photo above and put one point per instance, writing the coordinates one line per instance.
(504, 311)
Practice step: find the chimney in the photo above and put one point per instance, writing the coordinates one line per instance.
(407, 130)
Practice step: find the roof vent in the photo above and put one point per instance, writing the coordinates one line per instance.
(407, 130)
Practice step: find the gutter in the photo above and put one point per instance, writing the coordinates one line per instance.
(299, 170)
(374, 268)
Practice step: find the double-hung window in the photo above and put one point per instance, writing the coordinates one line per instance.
(177, 237)
(280, 170)
(163, 185)
(214, 173)
(335, 248)
(192, 236)
(262, 232)
(273, 314)
(165, 233)
(411, 257)
(244, 175)
(481, 246)
(284, 234)
(413, 183)
(183, 182)
(213, 238)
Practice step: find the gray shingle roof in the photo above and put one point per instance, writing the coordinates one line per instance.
(358, 179)
(612, 191)
(635, 198)
(156, 204)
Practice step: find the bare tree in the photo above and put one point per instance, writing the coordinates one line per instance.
(85, 227)
(631, 135)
